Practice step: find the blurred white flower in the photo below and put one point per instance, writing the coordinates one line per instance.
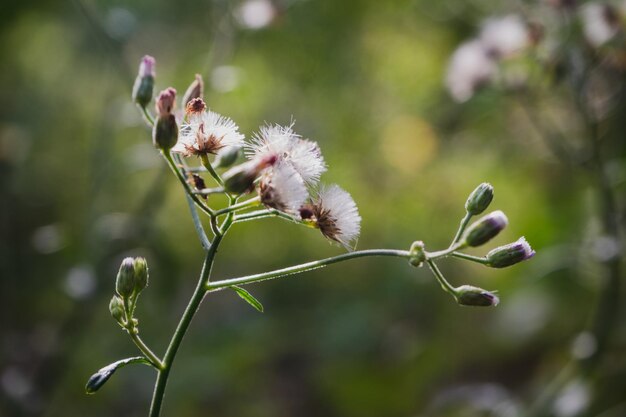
(600, 23)
(470, 68)
(282, 188)
(302, 154)
(206, 133)
(504, 36)
(335, 213)
(255, 14)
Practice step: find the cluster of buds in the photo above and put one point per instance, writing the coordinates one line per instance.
(132, 278)
(477, 234)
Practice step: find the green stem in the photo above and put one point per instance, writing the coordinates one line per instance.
(146, 115)
(445, 252)
(260, 214)
(154, 359)
(207, 164)
(204, 240)
(179, 175)
(255, 201)
(442, 281)
(459, 233)
(477, 259)
(209, 191)
(181, 329)
(218, 285)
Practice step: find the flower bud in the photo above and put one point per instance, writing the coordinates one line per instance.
(125, 282)
(468, 295)
(195, 90)
(510, 254)
(165, 132)
(479, 199)
(485, 229)
(141, 274)
(227, 156)
(240, 179)
(144, 83)
(116, 307)
(165, 102)
(417, 254)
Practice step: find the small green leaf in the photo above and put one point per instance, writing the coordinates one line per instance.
(249, 298)
(97, 380)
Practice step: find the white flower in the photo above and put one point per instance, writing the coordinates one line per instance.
(600, 23)
(282, 188)
(302, 154)
(470, 67)
(206, 133)
(505, 36)
(336, 215)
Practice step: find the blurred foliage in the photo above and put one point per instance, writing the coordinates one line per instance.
(81, 187)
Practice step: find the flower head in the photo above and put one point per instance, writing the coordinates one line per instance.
(302, 154)
(601, 22)
(282, 188)
(206, 132)
(335, 213)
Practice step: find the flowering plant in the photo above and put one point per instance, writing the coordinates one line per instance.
(282, 171)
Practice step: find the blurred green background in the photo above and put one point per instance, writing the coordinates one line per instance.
(81, 188)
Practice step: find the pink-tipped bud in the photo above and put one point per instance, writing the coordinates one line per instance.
(146, 67)
(165, 102)
(144, 83)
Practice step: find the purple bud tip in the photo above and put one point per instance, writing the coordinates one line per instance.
(498, 219)
(523, 245)
(165, 101)
(146, 67)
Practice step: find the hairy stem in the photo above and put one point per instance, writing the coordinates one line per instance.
(218, 285)
(253, 202)
(154, 359)
(459, 233)
(181, 179)
(181, 329)
(477, 259)
(442, 281)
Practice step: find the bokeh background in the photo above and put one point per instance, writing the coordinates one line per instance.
(81, 188)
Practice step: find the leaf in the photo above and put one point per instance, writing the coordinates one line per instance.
(97, 380)
(249, 298)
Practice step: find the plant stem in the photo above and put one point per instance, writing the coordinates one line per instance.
(207, 164)
(445, 252)
(442, 281)
(154, 359)
(181, 329)
(146, 115)
(209, 191)
(204, 240)
(459, 233)
(255, 201)
(259, 214)
(179, 175)
(218, 285)
(477, 259)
